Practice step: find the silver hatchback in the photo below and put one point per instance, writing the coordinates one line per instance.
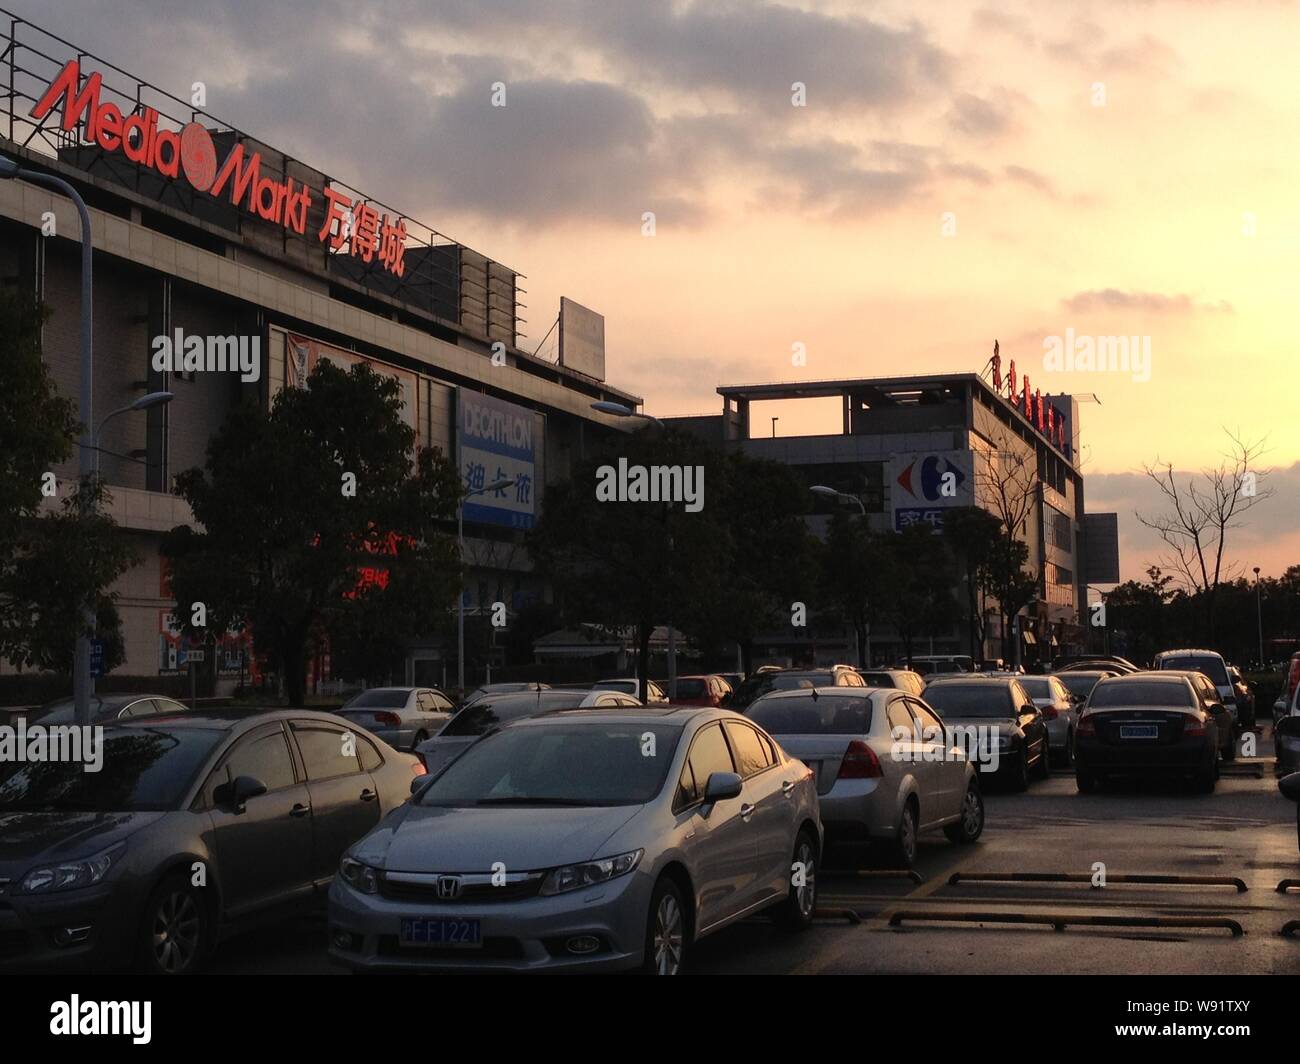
(583, 840)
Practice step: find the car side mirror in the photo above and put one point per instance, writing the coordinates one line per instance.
(419, 781)
(1032, 710)
(234, 794)
(721, 786)
(1290, 786)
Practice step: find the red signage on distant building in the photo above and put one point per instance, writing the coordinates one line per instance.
(192, 151)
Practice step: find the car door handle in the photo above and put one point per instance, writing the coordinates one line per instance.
(368, 795)
(746, 811)
(787, 788)
(299, 810)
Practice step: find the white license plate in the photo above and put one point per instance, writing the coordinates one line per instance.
(1139, 731)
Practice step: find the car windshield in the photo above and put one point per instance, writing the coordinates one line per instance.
(588, 764)
(829, 715)
(142, 769)
(691, 689)
(1079, 684)
(984, 699)
(487, 713)
(1109, 694)
(390, 697)
(1212, 667)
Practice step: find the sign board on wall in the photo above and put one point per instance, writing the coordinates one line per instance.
(1101, 548)
(582, 339)
(301, 356)
(925, 484)
(495, 441)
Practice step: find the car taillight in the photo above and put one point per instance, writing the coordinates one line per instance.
(418, 766)
(860, 763)
(1086, 726)
(1196, 728)
(391, 719)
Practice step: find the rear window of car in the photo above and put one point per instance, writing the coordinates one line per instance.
(878, 679)
(1212, 667)
(691, 689)
(487, 714)
(981, 699)
(828, 715)
(1175, 695)
(1037, 686)
(386, 699)
(789, 681)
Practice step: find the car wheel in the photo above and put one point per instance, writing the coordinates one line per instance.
(176, 928)
(1230, 751)
(903, 850)
(970, 822)
(1020, 774)
(665, 934)
(796, 912)
(420, 737)
(1067, 755)
(1085, 781)
(1204, 783)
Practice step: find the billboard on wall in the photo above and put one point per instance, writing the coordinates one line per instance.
(302, 354)
(495, 441)
(582, 339)
(925, 484)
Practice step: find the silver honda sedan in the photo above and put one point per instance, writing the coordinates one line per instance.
(585, 840)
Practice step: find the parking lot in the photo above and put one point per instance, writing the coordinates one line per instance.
(1245, 830)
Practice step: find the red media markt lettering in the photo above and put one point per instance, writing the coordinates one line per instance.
(191, 151)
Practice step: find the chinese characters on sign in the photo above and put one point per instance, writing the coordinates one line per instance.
(496, 441)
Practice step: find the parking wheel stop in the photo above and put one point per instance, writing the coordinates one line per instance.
(890, 873)
(1288, 884)
(1084, 877)
(837, 914)
(1060, 921)
(1291, 927)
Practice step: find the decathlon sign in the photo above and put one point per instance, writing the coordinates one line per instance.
(192, 153)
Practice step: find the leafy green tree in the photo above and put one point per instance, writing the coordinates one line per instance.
(974, 536)
(921, 601)
(634, 565)
(298, 504)
(857, 575)
(52, 562)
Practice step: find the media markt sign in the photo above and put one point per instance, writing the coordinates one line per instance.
(192, 152)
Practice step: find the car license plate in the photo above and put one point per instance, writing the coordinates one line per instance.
(1139, 731)
(461, 934)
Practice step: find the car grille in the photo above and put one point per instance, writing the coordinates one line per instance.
(470, 888)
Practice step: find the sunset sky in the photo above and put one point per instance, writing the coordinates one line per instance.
(1110, 168)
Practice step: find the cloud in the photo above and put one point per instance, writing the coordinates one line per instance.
(978, 117)
(1149, 302)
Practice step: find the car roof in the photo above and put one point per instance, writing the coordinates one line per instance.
(1163, 676)
(227, 719)
(1189, 653)
(662, 714)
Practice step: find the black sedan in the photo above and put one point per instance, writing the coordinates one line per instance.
(995, 720)
(1147, 724)
(193, 825)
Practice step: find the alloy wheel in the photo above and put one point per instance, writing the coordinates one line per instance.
(806, 894)
(668, 936)
(176, 931)
(972, 813)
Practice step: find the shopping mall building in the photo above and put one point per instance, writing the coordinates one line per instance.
(200, 230)
(903, 450)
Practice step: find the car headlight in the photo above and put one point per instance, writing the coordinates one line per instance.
(71, 875)
(589, 873)
(359, 876)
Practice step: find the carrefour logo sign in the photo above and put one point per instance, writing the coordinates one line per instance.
(923, 486)
(932, 478)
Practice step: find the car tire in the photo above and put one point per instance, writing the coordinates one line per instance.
(420, 737)
(970, 821)
(796, 912)
(1230, 751)
(1205, 781)
(903, 850)
(1086, 782)
(1067, 755)
(665, 932)
(1020, 776)
(176, 928)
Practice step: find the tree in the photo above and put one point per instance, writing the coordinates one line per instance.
(1138, 614)
(857, 575)
(1195, 528)
(921, 601)
(53, 562)
(974, 536)
(770, 563)
(318, 520)
(625, 564)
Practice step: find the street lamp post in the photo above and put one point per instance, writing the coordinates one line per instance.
(143, 403)
(9, 168)
(1259, 616)
(497, 485)
(839, 496)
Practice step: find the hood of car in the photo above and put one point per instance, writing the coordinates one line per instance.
(29, 837)
(523, 838)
